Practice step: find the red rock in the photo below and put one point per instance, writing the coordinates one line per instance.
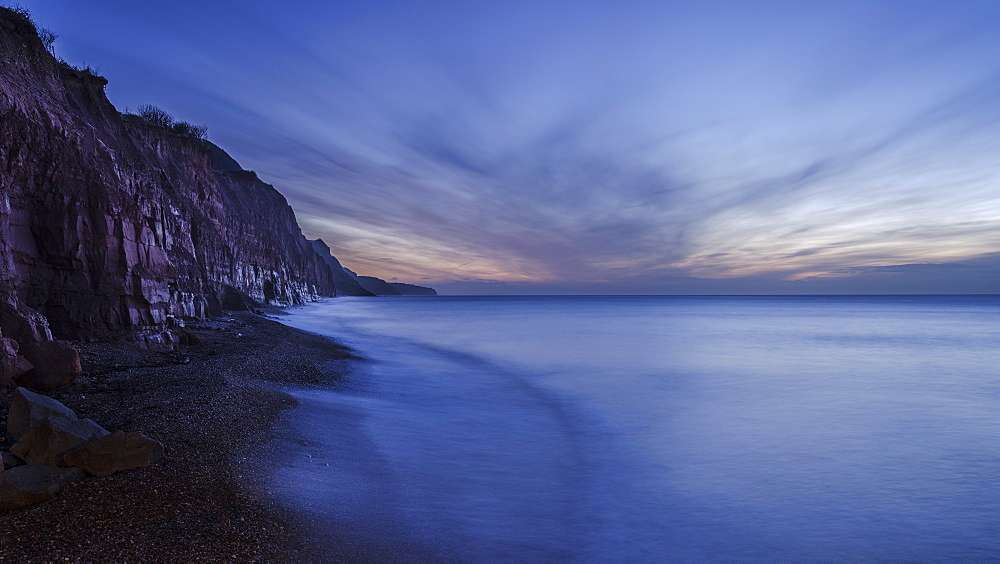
(117, 451)
(17, 321)
(108, 224)
(23, 365)
(8, 362)
(47, 442)
(56, 365)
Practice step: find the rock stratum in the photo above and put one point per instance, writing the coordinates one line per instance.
(110, 225)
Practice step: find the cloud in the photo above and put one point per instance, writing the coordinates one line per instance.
(645, 146)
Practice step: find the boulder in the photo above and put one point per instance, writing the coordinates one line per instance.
(33, 483)
(57, 365)
(114, 452)
(8, 460)
(23, 365)
(8, 362)
(23, 323)
(28, 409)
(189, 337)
(48, 441)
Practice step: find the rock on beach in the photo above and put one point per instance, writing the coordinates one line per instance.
(56, 365)
(28, 409)
(47, 442)
(27, 485)
(118, 451)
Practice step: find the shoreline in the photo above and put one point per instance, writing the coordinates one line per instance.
(207, 405)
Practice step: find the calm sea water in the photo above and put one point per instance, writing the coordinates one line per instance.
(653, 429)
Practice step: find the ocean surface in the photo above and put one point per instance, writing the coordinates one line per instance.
(597, 429)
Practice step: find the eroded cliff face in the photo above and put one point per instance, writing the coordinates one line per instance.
(109, 225)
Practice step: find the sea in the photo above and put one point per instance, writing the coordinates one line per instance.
(651, 429)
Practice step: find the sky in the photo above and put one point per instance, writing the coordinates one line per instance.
(581, 147)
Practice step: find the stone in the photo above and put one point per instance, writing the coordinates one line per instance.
(47, 442)
(114, 452)
(8, 361)
(189, 337)
(9, 460)
(33, 483)
(19, 322)
(28, 409)
(23, 365)
(56, 365)
(158, 341)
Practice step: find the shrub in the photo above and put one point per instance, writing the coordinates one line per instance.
(152, 115)
(189, 130)
(21, 12)
(48, 38)
(155, 116)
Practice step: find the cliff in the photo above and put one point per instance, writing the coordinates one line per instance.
(344, 282)
(379, 287)
(111, 225)
(349, 283)
(412, 289)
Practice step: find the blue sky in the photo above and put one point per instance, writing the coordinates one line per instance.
(595, 147)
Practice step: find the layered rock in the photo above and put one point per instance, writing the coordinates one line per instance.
(108, 224)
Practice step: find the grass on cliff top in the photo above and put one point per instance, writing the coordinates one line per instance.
(152, 115)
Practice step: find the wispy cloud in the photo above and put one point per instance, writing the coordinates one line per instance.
(577, 145)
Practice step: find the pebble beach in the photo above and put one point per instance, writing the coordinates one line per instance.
(212, 406)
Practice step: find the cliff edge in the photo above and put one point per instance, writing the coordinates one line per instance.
(110, 225)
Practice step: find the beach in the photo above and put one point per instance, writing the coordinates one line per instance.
(212, 408)
(601, 429)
